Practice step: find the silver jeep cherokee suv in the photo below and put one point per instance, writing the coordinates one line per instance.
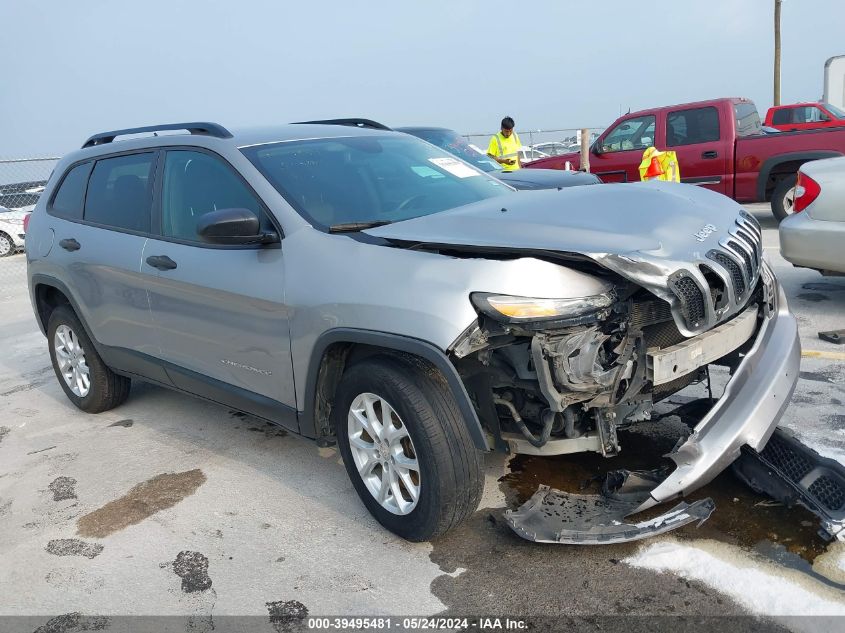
(367, 286)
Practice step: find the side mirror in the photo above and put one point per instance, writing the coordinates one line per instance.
(233, 226)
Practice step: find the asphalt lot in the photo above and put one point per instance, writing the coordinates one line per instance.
(172, 506)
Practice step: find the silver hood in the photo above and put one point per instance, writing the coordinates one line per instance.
(655, 234)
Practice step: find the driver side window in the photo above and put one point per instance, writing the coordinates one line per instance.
(636, 133)
(196, 183)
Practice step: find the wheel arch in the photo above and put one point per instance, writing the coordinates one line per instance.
(337, 348)
(774, 169)
(48, 293)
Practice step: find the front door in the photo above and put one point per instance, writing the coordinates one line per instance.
(617, 153)
(694, 135)
(219, 311)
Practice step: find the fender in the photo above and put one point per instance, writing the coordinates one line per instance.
(397, 343)
(46, 280)
(770, 163)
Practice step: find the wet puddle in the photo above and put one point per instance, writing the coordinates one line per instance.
(789, 536)
(142, 501)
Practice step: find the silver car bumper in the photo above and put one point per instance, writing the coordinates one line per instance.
(750, 409)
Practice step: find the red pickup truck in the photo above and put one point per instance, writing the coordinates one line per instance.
(720, 145)
(804, 116)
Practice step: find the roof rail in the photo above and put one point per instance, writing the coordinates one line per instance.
(353, 122)
(207, 129)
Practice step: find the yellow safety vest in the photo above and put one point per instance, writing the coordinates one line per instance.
(666, 163)
(505, 148)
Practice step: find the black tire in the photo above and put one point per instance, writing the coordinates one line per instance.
(4, 240)
(451, 478)
(781, 205)
(107, 389)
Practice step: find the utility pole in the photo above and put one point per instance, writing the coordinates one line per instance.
(776, 99)
(585, 149)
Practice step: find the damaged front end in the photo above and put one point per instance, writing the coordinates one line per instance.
(551, 379)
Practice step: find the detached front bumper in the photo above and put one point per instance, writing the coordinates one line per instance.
(750, 409)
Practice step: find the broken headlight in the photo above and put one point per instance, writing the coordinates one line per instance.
(526, 309)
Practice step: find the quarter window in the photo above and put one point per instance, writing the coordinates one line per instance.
(196, 183)
(120, 192)
(688, 127)
(636, 133)
(69, 199)
(782, 116)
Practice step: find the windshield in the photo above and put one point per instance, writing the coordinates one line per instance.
(456, 144)
(369, 179)
(837, 112)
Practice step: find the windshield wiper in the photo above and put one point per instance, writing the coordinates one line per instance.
(351, 227)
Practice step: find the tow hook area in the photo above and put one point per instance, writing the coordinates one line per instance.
(554, 516)
(792, 473)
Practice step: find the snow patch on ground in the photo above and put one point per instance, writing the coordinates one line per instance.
(758, 585)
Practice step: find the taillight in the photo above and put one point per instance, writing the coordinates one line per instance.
(26, 222)
(806, 190)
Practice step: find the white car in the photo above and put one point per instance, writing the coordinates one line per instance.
(11, 230)
(527, 154)
(813, 235)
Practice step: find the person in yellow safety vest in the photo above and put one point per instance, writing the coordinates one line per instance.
(504, 146)
(660, 165)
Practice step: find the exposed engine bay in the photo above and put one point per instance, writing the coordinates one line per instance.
(565, 386)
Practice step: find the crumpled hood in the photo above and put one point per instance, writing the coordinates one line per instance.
(654, 218)
(650, 233)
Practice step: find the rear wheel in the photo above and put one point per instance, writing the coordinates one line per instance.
(406, 446)
(82, 374)
(783, 197)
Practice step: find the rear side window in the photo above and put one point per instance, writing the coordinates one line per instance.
(120, 192)
(747, 119)
(782, 117)
(688, 127)
(70, 197)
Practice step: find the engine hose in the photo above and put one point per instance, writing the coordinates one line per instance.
(569, 420)
(547, 423)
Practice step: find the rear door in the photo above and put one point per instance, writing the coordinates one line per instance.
(695, 135)
(219, 311)
(101, 215)
(617, 154)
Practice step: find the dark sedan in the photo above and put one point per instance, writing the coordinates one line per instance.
(456, 144)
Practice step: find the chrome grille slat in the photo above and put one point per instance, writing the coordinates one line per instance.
(732, 246)
(734, 269)
(743, 233)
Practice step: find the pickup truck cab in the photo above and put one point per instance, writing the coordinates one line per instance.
(720, 146)
(804, 116)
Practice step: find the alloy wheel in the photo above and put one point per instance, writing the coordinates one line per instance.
(70, 358)
(789, 201)
(384, 453)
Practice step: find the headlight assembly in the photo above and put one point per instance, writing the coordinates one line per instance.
(527, 309)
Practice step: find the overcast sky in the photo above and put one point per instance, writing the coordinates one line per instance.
(71, 69)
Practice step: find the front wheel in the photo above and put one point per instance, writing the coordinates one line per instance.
(406, 446)
(783, 198)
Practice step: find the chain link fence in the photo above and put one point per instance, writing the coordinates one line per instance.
(22, 181)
